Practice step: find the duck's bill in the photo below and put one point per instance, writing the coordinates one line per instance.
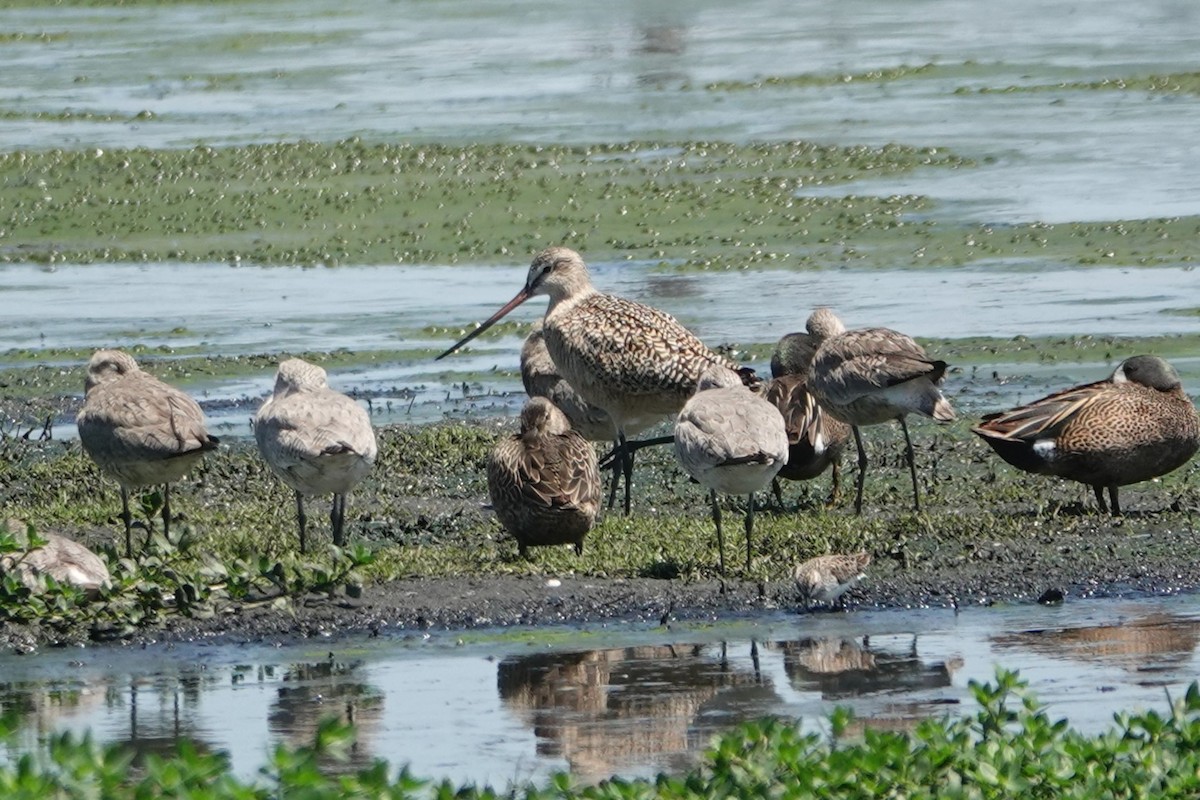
(521, 297)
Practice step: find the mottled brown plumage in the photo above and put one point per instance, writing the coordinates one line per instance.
(316, 439)
(731, 441)
(874, 375)
(1134, 426)
(635, 362)
(139, 430)
(824, 579)
(541, 378)
(816, 440)
(543, 481)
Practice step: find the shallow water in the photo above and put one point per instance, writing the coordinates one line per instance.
(494, 706)
(367, 309)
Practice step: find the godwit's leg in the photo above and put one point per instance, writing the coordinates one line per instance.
(912, 464)
(337, 518)
(749, 526)
(626, 470)
(616, 476)
(716, 512)
(128, 519)
(862, 469)
(301, 519)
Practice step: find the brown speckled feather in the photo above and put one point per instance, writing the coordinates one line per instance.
(815, 439)
(541, 378)
(1136, 425)
(619, 353)
(544, 482)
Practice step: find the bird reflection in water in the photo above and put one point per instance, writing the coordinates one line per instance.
(1150, 643)
(310, 692)
(606, 710)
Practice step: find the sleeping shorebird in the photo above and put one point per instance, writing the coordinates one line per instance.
(635, 362)
(139, 430)
(825, 579)
(815, 439)
(543, 481)
(1136, 425)
(874, 375)
(63, 559)
(731, 441)
(317, 440)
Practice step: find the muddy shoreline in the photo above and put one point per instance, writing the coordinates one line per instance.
(1104, 559)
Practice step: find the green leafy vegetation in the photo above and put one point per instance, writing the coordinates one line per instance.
(1009, 747)
(170, 579)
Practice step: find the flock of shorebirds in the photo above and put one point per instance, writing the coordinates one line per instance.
(604, 368)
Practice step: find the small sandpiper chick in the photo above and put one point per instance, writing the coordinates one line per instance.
(874, 375)
(139, 430)
(543, 481)
(731, 441)
(316, 439)
(826, 579)
(1136, 425)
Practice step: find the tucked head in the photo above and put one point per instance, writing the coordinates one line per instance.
(296, 374)
(108, 365)
(1149, 371)
(716, 376)
(541, 416)
(824, 324)
(557, 272)
(793, 354)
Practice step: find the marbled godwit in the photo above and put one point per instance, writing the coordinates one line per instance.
(1134, 426)
(542, 379)
(815, 439)
(825, 579)
(543, 482)
(874, 375)
(64, 560)
(635, 362)
(730, 440)
(139, 430)
(319, 441)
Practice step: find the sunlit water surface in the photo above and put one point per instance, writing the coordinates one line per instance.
(614, 700)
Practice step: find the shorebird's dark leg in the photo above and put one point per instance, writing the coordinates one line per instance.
(1112, 495)
(835, 489)
(337, 518)
(128, 520)
(749, 526)
(912, 464)
(777, 492)
(716, 512)
(166, 514)
(862, 469)
(627, 471)
(1099, 491)
(616, 475)
(301, 519)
